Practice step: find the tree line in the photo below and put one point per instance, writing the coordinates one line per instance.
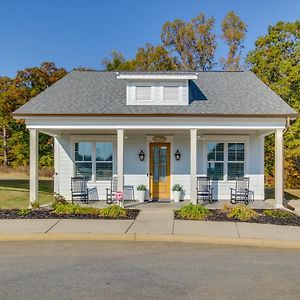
(185, 45)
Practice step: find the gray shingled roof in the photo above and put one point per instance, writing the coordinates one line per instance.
(88, 92)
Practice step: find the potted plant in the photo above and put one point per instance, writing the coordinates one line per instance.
(141, 192)
(177, 189)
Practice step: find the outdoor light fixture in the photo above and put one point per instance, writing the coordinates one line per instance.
(142, 155)
(177, 155)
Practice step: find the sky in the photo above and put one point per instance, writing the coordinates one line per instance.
(81, 33)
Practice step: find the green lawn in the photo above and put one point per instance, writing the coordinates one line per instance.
(15, 193)
(288, 194)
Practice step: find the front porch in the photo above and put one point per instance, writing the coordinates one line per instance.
(219, 149)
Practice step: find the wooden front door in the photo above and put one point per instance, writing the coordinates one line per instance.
(159, 171)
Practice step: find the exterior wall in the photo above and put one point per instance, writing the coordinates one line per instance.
(135, 171)
(63, 166)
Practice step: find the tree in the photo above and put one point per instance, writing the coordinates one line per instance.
(151, 58)
(194, 42)
(117, 62)
(276, 61)
(14, 93)
(11, 97)
(148, 58)
(234, 31)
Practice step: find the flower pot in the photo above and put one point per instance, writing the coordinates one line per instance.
(141, 196)
(176, 196)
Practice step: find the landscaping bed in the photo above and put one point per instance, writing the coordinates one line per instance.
(71, 211)
(237, 213)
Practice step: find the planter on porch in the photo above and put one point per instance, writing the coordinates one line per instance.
(177, 189)
(141, 193)
(177, 196)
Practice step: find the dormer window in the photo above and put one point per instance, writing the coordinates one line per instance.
(157, 88)
(143, 93)
(171, 94)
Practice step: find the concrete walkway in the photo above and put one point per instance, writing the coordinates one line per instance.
(155, 224)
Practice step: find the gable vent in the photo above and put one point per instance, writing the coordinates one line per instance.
(171, 93)
(143, 93)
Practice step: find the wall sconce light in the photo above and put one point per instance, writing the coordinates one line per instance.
(177, 155)
(142, 155)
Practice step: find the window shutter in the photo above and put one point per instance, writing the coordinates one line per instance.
(171, 93)
(143, 93)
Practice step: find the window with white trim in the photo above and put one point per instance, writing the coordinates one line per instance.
(104, 161)
(83, 160)
(236, 160)
(225, 160)
(143, 93)
(94, 160)
(215, 161)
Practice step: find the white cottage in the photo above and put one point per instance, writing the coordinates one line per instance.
(158, 129)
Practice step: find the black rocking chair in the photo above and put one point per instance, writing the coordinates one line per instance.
(111, 191)
(204, 189)
(241, 191)
(79, 189)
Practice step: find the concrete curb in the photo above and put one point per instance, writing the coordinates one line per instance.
(252, 242)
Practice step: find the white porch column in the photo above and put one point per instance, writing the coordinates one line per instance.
(120, 159)
(279, 181)
(193, 167)
(34, 162)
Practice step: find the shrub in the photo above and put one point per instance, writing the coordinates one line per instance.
(278, 213)
(24, 212)
(59, 198)
(69, 208)
(193, 212)
(113, 211)
(62, 208)
(177, 188)
(35, 204)
(242, 212)
(226, 208)
(88, 210)
(141, 187)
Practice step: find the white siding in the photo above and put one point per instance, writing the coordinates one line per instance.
(64, 166)
(135, 171)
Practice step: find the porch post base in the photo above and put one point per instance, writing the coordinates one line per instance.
(278, 206)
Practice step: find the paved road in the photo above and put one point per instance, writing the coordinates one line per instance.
(140, 270)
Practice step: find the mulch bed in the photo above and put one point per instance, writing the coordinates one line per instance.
(218, 215)
(48, 214)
